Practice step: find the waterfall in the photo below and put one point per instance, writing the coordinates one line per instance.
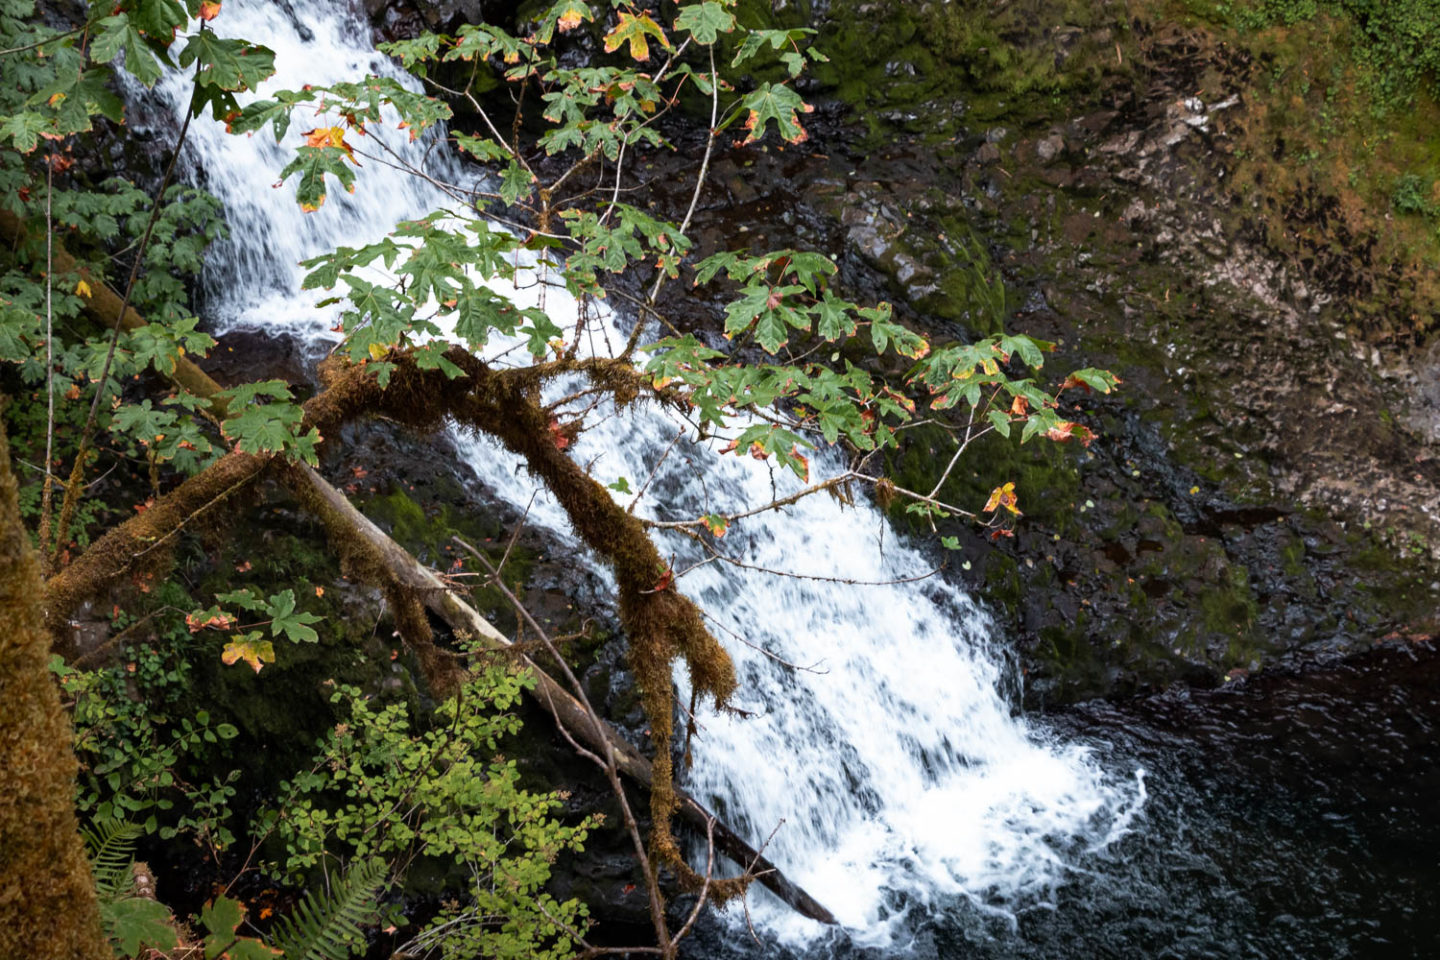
(904, 779)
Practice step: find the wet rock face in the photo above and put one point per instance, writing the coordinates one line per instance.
(1253, 496)
(408, 18)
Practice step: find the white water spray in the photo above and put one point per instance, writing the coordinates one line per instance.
(902, 778)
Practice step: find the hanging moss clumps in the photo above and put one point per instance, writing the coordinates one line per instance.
(47, 897)
(662, 625)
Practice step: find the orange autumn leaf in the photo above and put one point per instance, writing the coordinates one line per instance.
(1003, 497)
(330, 137)
(1065, 431)
(209, 10)
(570, 16)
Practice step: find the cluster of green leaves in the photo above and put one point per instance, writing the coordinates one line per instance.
(69, 86)
(1413, 195)
(115, 213)
(56, 84)
(783, 296)
(143, 755)
(383, 787)
(439, 297)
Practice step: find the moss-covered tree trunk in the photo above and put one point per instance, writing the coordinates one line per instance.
(47, 900)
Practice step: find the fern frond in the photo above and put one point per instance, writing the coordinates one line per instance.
(111, 843)
(328, 927)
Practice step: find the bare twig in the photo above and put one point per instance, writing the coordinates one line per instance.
(47, 496)
(813, 668)
(654, 470)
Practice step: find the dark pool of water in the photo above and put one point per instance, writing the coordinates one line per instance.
(1291, 816)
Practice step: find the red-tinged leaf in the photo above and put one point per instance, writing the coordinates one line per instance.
(558, 436)
(999, 532)
(222, 621)
(1065, 431)
(257, 653)
(243, 567)
(804, 460)
(666, 581)
(716, 524)
(779, 104)
(758, 452)
(730, 447)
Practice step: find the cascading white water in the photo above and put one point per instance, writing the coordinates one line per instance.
(901, 775)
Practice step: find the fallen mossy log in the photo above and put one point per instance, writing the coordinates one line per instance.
(548, 692)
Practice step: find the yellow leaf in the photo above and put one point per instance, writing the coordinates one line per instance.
(378, 351)
(1003, 497)
(257, 653)
(83, 289)
(632, 30)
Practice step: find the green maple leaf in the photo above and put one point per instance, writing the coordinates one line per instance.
(158, 19)
(23, 129)
(705, 21)
(117, 33)
(777, 103)
(835, 321)
(515, 183)
(284, 619)
(312, 163)
(741, 313)
(263, 429)
(221, 918)
(225, 63)
(138, 921)
(633, 29)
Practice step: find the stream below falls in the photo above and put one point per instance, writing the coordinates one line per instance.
(1291, 816)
